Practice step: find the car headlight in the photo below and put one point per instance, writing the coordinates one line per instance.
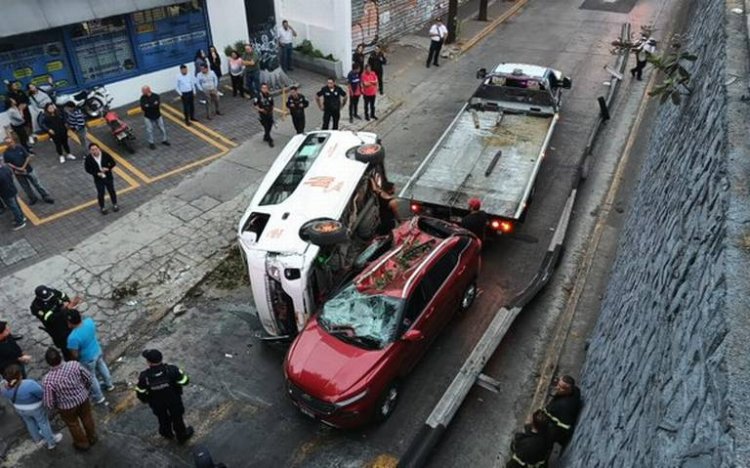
(273, 272)
(352, 400)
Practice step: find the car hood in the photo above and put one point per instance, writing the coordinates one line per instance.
(326, 367)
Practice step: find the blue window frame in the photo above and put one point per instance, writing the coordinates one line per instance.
(106, 50)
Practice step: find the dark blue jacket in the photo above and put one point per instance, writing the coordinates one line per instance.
(7, 187)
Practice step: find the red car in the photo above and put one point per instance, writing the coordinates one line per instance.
(345, 366)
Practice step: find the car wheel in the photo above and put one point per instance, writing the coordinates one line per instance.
(324, 232)
(371, 153)
(387, 402)
(470, 293)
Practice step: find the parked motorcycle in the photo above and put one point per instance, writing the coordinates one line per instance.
(120, 129)
(93, 102)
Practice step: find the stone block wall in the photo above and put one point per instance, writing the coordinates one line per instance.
(657, 375)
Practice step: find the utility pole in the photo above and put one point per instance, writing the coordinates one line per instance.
(482, 10)
(452, 21)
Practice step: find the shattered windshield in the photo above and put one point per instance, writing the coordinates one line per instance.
(367, 320)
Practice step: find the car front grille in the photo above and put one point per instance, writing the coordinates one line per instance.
(318, 406)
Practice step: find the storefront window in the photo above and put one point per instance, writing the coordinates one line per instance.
(167, 36)
(102, 48)
(32, 58)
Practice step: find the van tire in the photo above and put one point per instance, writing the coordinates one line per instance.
(372, 153)
(368, 226)
(324, 232)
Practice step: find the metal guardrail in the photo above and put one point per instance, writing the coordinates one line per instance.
(429, 435)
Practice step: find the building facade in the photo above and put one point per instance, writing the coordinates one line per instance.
(130, 43)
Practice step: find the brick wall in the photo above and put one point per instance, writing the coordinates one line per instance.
(385, 20)
(665, 374)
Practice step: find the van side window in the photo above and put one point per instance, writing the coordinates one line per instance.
(294, 171)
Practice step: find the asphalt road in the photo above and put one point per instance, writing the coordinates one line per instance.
(237, 401)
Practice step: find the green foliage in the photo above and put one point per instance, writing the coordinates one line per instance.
(676, 77)
(307, 48)
(238, 46)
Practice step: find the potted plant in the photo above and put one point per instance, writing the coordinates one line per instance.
(308, 57)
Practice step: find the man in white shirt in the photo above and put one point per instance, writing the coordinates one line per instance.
(207, 82)
(438, 33)
(286, 38)
(186, 89)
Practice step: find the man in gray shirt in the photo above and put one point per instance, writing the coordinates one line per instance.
(208, 83)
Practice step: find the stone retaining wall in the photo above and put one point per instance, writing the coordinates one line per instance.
(663, 356)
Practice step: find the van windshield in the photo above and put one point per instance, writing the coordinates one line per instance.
(367, 320)
(294, 171)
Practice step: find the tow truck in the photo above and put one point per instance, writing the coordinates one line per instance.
(493, 149)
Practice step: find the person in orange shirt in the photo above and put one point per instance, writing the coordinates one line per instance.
(369, 91)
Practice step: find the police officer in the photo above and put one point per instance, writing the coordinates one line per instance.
(532, 447)
(51, 306)
(476, 220)
(297, 103)
(562, 410)
(264, 105)
(161, 387)
(333, 98)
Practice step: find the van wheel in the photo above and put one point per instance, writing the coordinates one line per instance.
(470, 293)
(387, 402)
(370, 153)
(323, 232)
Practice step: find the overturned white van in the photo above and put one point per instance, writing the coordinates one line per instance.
(312, 215)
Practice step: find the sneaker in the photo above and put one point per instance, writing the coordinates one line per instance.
(71, 157)
(115, 208)
(356, 116)
(58, 438)
(104, 211)
(166, 143)
(42, 443)
(152, 146)
(374, 118)
(49, 200)
(202, 101)
(270, 142)
(101, 401)
(351, 119)
(17, 227)
(219, 113)
(110, 388)
(62, 159)
(221, 94)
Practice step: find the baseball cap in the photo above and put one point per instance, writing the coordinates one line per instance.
(152, 355)
(474, 203)
(43, 292)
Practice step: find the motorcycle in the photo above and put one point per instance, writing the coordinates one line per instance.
(120, 129)
(93, 102)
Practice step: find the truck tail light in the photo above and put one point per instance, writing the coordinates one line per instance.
(503, 226)
(415, 208)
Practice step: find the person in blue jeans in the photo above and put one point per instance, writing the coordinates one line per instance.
(84, 347)
(8, 194)
(26, 397)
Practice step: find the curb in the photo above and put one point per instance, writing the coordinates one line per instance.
(490, 27)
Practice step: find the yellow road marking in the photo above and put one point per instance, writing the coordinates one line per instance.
(95, 123)
(133, 111)
(584, 269)
(490, 27)
(384, 460)
(120, 160)
(174, 112)
(189, 166)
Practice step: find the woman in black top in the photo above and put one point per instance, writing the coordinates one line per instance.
(55, 124)
(214, 61)
(100, 164)
(358, 57)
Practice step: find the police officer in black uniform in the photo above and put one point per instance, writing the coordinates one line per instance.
(531, 448)
(297, 103)
(563, 409)
(51, 306)
(161, 387)
(333, 98)
(264, 105)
